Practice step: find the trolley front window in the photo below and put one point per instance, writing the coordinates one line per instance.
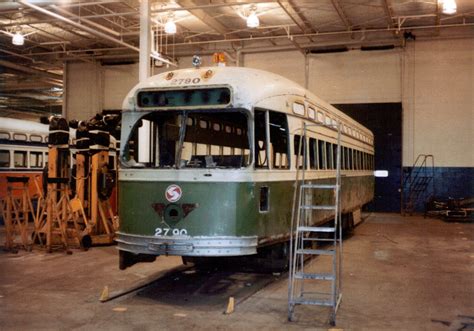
(189, 139)
(184, 97)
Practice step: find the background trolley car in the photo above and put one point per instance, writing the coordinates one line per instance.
(24, 153)
(208, 163)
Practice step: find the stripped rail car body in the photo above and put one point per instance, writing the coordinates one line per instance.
(209, 159)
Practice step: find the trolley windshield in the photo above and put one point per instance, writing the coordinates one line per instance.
(189, 139)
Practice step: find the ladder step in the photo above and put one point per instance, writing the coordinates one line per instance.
(316, 229)
(320, 239)
(316, 251)
(316, 207)
(302, 301)
(322, 276)
(321, 186)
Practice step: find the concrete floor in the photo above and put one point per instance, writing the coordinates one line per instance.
(399, 273)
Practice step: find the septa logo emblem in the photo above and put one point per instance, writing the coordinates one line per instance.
(173, 193)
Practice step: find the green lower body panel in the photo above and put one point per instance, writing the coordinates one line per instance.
(219, 218)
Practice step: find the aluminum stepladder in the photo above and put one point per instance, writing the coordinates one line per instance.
(305, 234)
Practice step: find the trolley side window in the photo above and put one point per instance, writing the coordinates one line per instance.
(19, 159)
(313, 153)
(351, 163)
(36, 159)
(261, 154)
(329, 157)
(279, 140)
(334, 155)
(321, 155)
(299, 153)
(4, 158)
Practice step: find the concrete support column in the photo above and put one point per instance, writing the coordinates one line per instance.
(64, 112)
(145, 41)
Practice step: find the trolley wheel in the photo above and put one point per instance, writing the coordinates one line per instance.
(127, 259)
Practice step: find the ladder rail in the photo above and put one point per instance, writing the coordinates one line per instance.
(301, 222)
(293, 225)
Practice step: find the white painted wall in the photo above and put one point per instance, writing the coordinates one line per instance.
(356, 76)
(288, 64)
(118, 80)
(84, 90)
(433, 80)
(438, 102)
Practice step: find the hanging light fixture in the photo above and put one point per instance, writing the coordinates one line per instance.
(252, 19)
(170, 25)
(18, 39)
(449, 7)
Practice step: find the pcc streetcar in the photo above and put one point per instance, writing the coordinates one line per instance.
(24, 152)
(209, 157)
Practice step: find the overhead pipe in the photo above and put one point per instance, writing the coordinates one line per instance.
(134, 13)
(91, 31)
(214, 5)
(319, 34)
(94, 24)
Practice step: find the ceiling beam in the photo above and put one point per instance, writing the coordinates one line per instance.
(297, 17)
(90, 22)
(211, 6)
(30, 70)
(133, 13)
(388, 12)
(25, 86)
(204, 17)
(89, 30)
(341, 13)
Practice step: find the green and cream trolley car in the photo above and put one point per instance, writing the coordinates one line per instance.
(209, 157)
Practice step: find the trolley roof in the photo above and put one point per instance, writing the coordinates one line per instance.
(249, 86)
(17, 125)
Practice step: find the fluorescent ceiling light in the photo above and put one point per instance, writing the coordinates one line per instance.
(252, 20)
(170, 26)
(18, 39)
(449, 7)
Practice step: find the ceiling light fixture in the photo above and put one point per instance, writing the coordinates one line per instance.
(18, 39)
(449, 7)
(170, 25)
(252, 19)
